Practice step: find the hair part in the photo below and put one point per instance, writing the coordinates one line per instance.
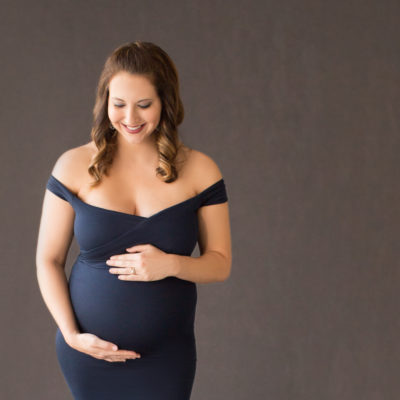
(149, 60)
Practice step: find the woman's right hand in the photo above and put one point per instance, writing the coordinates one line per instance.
(99, 348)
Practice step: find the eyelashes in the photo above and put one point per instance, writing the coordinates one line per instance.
(121, 105)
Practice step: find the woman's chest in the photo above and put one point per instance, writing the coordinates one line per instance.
(173, 230)
(142, 197)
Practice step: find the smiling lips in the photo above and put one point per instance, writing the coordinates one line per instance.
(133, 129)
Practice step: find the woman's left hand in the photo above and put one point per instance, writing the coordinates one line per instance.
(145, 262)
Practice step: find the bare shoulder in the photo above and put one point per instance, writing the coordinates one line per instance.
(203, 169)
(71, 166)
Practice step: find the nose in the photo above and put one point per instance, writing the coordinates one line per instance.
(132, 117)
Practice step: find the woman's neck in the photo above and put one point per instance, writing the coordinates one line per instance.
(138, 154)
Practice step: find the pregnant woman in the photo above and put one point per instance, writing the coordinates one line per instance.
(137, 200)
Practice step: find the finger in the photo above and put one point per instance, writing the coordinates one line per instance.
(123, 257)
(118, 262)
(113, 359)
(117, 256)
(120, 353)
(122, 263)
(119, 360)
(115, 270)
(127, 353)
(129, 271)
(123, 359)
(131, 277)
(116, 357)
(123, 270)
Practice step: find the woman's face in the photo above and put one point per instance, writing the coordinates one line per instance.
(133, 102)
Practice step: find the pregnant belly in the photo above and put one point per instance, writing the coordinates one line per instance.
(137, 315)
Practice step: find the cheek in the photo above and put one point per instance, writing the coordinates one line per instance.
(155, 114)
(113, 114)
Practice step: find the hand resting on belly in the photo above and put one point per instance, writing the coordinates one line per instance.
(99, 348)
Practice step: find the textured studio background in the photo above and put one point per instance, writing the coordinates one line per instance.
(298, 103)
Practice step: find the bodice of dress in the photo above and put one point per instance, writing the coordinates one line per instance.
(101, 232)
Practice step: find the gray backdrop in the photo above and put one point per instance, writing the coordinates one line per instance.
(298, 103)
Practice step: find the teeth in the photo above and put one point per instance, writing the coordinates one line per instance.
(133, 127)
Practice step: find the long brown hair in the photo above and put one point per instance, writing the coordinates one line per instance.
(150, 60)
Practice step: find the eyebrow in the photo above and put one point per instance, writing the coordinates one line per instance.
(117, 98)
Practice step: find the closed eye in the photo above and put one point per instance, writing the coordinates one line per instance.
(122, 105)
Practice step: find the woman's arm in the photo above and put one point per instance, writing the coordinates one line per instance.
(214, 263)
(54, 239)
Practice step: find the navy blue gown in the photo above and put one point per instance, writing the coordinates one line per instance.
(154, 318)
